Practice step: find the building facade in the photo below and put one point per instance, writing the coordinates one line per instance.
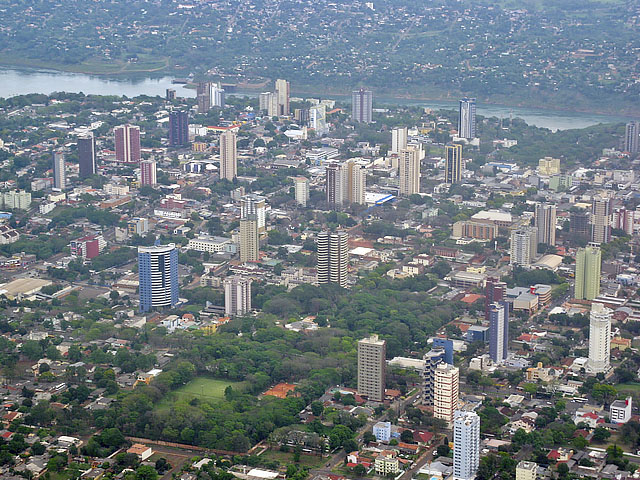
(545, 222)
(148, 172)
(432, 359)
(228, 156)
(632, 137)
(445, 391)
(409, 171)
(372, 368)
(362, 105)
(599, 339)
(333, 258)
(87, 155)
(301, 185)
(466, 445)
(524, 245)
(526, 470)
(127, 141)
(282, 97)
(158, 276)
(453, 163)
(467, 118)
(237, 295)
(59, 171)
(588, 266)
(252, 204)
(249, 239)
(601, 210)
(498, 331)
(178, 128)
(399, 139)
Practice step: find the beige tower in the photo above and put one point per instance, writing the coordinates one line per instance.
(249, 239)
(282, 97)
(445, 391)
(409, 171)
(453, 163)
(371, 368)
(228, 156)
(356, 182)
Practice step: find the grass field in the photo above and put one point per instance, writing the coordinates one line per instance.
(202, 388)
(285, 458)
(628, 387)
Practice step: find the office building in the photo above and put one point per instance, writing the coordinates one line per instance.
(87, 155)
(252, 204)
(432, 359)
(59, 171)
(170, 94)
(302, 190)
(345, 183)
(409, 171)
(447, 345)
(127, 141)
(620, 411)
(249, 239)
(498, 331)
(601, 210)
(467, 118)
(524, 245)
(333, 258)
(548, 166)
(632, 137)
(216, 95)
(453, 163)
(318, 119)
(228, 156)
(362, 105)
(445, 391)
(203, 97)
(148, 172)
(178, 129)
(282, 97)
(237, 295)
(371, 368)
(526, 470)
(599, 338)
(545, 222)
(87, 247)
(138, 226)
(580, 224)
(399, 139)
(588, 265)
(15, 200)
(158, 276)
(466, 445)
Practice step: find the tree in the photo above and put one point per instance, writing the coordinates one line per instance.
(443, 450)
(601, 434)
(406, 436)
(317, 408)
(146, 472)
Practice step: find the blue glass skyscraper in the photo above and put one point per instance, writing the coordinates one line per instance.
(158, 276)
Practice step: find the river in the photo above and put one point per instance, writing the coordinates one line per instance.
(19, 82)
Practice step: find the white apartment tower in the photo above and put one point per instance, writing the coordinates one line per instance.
(228, 156)
(524, 245)
(252, 204)
(371, 368)
(333, 258)
(302, 190)
(445, 391)
(237, 295)
(249, 239)
(59, 173)
(466, 445)
(599, 338)
(399, 139)
(545, 221)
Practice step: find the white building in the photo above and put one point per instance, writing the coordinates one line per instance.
(526, 470)
(211, 244)
(599, 338)
(399, 137)
(382, 431)
(252, 204)
(620, 410)
(445, 391)
(237, 295)
(466, 445)
(302, 190)
(524, 245)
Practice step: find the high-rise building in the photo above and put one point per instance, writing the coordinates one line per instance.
(282, 97)
(216, 95)
(345, 183)
(466, 445)
(432, 359)
(494, 291)
(87, 155)
(399, 139)
(301, 115)
(599, 338)
(362, 105)
(148, 172)
(453, 163)
(548, 166)
(249, 239)
(127, 140)
(588, 265)
(371, 368)
(498, 331)
(203, 96)
(318, 119)
(467, 118)
(545, 221)
(269, 103)
(333, 258)
(170, 94)
(601, 211)
(228, 156)
(178, 128)
(252, 204)
(526, 470)
(624, 219)
(15, 200)
(579, 223)
(237, 295)
(59, 172)
(524, 245)
(158, 276)
(302, 190)
(409, 171)
(632, 137)
(445, 391)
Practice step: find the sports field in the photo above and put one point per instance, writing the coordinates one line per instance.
(202, 388)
